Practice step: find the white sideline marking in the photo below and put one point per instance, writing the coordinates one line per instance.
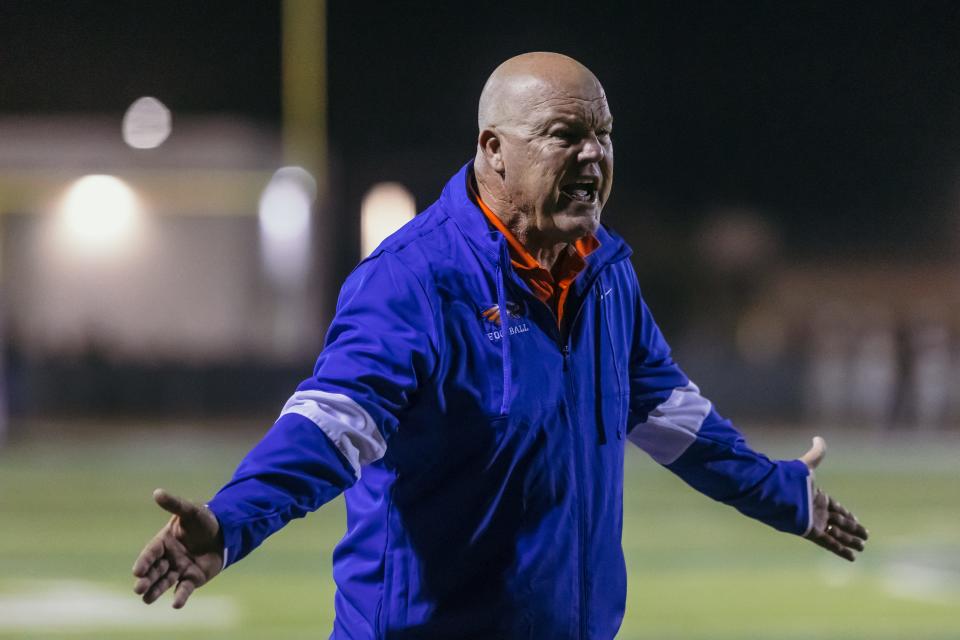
(922, 582)
(78, 605)
(909, 579)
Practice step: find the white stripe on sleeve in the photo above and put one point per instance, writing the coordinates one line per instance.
(347, 424)
(672, 427)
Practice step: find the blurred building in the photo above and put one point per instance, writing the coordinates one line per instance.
(794, 220)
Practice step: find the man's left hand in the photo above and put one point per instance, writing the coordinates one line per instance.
(834, 528)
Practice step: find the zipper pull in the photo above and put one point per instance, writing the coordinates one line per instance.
(565, 350)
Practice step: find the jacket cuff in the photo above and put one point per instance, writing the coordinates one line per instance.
(783, 499)
(232, 534)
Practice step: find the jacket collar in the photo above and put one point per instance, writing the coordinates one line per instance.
(490, 243)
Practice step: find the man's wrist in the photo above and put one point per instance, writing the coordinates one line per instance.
(220, 544)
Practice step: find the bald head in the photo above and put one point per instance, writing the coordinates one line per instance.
(544, 158)
(524, 81)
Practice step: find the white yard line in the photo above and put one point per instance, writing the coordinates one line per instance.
(923, 582)
(919, 578)
(77, 605)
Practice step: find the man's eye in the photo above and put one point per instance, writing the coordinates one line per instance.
(604, 133)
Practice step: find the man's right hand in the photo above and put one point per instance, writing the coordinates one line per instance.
(186, 552)
(834, 528)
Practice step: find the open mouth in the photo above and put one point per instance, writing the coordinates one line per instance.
(581, 191)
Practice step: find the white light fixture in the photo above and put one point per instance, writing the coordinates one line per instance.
(146, 124)
(386, 207)
(99, 214)
(285, 225)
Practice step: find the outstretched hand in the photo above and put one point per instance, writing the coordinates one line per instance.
(834, 528)
(186, 552)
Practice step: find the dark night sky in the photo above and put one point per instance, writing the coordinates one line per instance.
(841, 121)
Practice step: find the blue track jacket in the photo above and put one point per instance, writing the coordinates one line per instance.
(482, 463)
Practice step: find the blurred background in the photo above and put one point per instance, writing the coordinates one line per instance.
(184, 185)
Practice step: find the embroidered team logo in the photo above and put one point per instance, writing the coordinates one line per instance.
(492, 313)
(515, 311)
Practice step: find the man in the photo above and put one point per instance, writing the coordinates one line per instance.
(484, 368)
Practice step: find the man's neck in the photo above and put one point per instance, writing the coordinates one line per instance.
(545, 252)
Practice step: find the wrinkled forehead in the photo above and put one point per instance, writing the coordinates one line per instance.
(535, 101)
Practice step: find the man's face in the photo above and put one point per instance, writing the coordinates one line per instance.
(558, 161)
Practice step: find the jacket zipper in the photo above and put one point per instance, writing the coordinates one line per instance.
(563, 341)
(581, 504)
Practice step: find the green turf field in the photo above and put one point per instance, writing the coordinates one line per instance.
(74, 514)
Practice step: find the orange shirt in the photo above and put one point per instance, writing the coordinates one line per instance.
(550, 288)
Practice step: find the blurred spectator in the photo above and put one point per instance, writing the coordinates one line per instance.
(828, 386)
(874, 369)
(930, 370)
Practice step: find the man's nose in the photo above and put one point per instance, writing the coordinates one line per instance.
(592, 150)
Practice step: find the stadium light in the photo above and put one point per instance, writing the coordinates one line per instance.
(99, 214)
(146, 124)
(386, 207)
(285, 226)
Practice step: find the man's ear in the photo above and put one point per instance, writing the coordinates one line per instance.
(489, 143)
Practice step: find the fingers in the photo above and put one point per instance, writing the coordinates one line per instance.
(841, 533)
(157, 571)
(833, 505)
(165, 582)
(845, 521)
(175, 568)
(830, 543)
(814, 456)
(191, 578)
(148, 557)
(849, 526)
(834, 527)
(847, 540)
(169, 559)
(173, 504)
(840, 542)
(156, 547)
(185, 589)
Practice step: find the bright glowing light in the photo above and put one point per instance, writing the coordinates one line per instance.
(146, 124)
(285, 225)
(386, 207)
(285, 204)
(99, 213)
